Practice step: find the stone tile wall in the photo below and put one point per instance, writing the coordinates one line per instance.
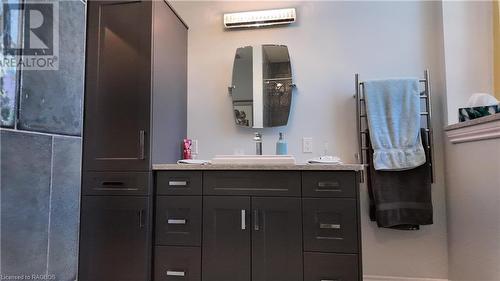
(40, 160)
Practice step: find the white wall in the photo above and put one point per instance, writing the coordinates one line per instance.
(473, 199)
(468, 41)
(330, 42)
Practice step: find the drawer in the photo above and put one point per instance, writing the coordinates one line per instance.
(178, 220)
(329, 184)
(177, 264)
(116, 183)
(178, 182)
(330, 225)
(331, 267)
(257, 183)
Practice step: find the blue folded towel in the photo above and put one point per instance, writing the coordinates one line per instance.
(393, 113)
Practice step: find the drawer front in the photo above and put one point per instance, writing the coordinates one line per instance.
(178, 182)
(331, 267)
(177, 264)
(116, 183)
(178, 220)
(257, 183)
(329, 184)
(330, 225)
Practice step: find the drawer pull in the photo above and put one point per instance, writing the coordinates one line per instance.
(177, 183)
(176, 221)
(330, 280)
(112, 183)
(328, 184)
(116, 189)
(176, 273)
(329, 226)
(115, 185)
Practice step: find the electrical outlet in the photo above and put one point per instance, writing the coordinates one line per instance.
(194, 147)
(307, 145)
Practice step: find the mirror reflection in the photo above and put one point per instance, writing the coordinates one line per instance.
(262, 86)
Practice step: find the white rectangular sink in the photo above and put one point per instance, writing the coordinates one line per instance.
(254, 160)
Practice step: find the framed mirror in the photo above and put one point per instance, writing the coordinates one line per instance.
(262, 86)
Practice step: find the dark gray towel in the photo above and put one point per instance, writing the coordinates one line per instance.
(401, 199)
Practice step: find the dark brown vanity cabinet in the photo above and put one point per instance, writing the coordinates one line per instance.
(117, 100)
(135, 89)
(115, 238)
(134, 115)
(257, 226)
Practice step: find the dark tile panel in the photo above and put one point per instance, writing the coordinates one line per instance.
(25, 190)
(65, 208)
(51, 101)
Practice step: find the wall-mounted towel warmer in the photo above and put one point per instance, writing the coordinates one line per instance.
(362, 124)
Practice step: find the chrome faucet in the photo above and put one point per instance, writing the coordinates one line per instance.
(258, 143)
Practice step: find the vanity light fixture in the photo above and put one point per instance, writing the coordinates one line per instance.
(259, 18)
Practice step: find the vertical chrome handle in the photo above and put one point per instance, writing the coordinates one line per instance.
(256, 226)
(142, 141)
(243, 220)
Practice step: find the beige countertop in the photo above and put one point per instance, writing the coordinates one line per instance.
(297, 167)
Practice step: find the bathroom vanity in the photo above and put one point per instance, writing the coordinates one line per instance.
(242, 223)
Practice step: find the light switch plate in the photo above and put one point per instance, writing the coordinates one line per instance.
(307, 145)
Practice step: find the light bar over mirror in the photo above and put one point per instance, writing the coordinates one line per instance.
(259, 18)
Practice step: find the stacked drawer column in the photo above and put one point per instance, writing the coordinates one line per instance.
(177, 250)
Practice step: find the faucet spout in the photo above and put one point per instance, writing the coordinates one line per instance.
(258, 143)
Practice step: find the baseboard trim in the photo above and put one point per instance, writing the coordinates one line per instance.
(394, 278)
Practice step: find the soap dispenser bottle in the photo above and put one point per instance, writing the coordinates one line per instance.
(281, 146)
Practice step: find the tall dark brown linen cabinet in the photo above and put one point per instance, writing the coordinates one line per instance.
(134, 116)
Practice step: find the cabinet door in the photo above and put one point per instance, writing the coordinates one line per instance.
(226, 238)
(114, 238)
(276, 239)
(118, 86)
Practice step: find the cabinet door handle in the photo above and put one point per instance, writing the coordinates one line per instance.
(176, 221)
(331, 280)
(329, 226)
(176, 273)
(243, 219)
(142, 144)
(256, 226)
(141, 219)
